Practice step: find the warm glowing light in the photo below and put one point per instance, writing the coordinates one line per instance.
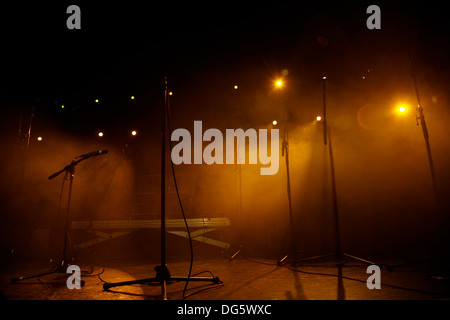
(318, 118)
(324, 78)
(236, 87)
(62, 107)
(100, 134)
(96, 100)
(134, 132)
(279, 83)
(132, 97)
(401, 108)
(39, 139)
(170, 93)
(274, 122)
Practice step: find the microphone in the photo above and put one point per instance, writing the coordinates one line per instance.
(74, 163)
(93, 154)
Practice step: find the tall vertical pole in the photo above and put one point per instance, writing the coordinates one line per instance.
(421, 117)
(335, 204)
(162, 273)
(325, 125)
(27, 147)
(163, 174)
(285, 153)
(29, 130)
(327, 140)
(70, 172)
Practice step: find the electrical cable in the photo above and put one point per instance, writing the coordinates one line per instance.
(220, 284)
(365, 281)
(181, 205)
(349, 278)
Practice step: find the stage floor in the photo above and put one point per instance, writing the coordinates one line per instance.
(243, 278)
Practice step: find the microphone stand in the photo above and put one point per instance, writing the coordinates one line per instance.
(338, 254)
(240, 212)
(421, 117)
(162, 271)
(285, 153)
(436, 194)
(65, 262)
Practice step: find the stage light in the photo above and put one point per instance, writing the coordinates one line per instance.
(318, 118)
(100, 134)
(134, 133)
(170, 93)
(236, 87)
(132, 97)
(401, 108)
(39, 139)
(62, 107)
(274, 122)
(96, 100)
(279, 83)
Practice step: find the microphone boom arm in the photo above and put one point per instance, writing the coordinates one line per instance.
(71, 166)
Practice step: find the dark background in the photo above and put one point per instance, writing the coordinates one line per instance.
(385, 198)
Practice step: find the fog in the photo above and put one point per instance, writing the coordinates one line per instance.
(384, 192)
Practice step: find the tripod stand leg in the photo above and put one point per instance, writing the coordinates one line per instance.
(15, 280)
(210, 279)
(59, 268)
(235, 254)
(107, 286)
(280, 262)
(358, 259)
(162, 276)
